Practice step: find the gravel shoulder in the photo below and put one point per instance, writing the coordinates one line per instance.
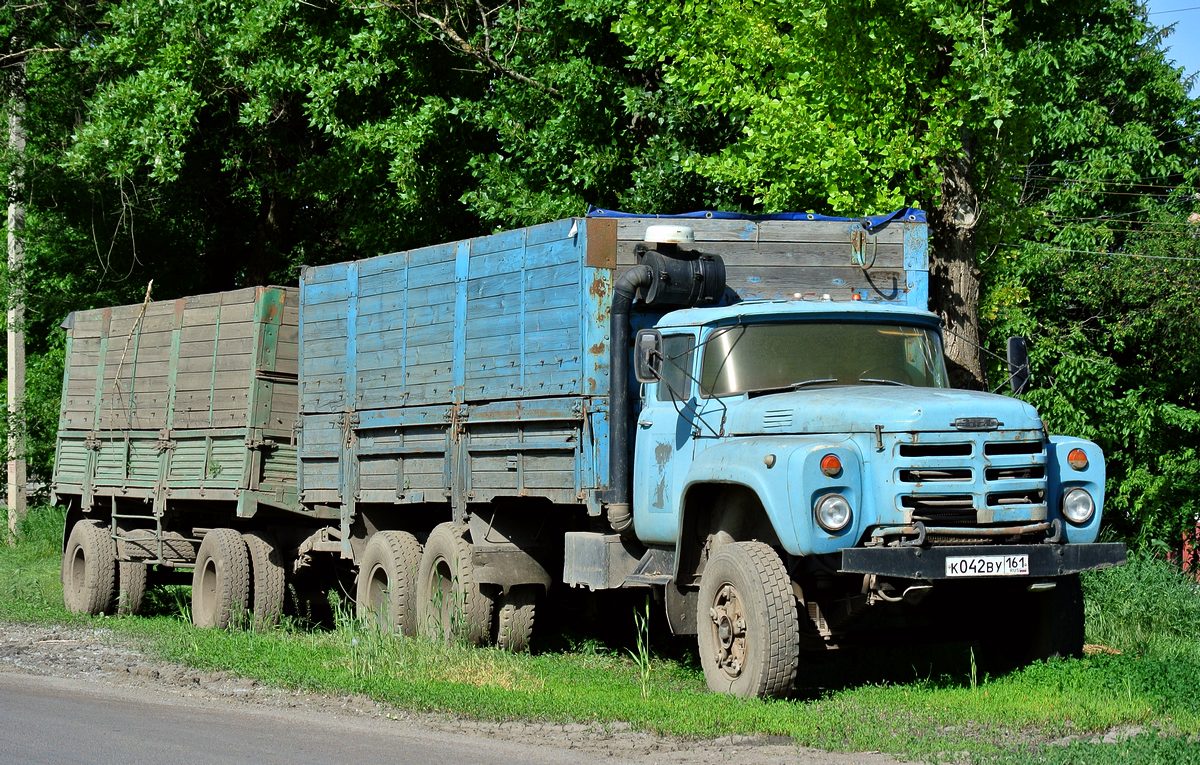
(97, 662)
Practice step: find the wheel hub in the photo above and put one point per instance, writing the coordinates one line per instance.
(729, 629)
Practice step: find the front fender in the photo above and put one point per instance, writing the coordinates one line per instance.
(788, 488)
(1063, 477)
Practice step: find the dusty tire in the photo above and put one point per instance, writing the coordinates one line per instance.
(386, 591)
(450, 603)
(748, 625)
(266, 580)
(1061, 611)
(514, 621)
(89, 569)
(1023, 627)
(221, 580)
(131, 587)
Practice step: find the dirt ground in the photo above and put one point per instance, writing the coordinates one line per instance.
(96, 657)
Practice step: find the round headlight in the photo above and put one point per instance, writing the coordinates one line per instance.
(1078, 506)
(832, 512)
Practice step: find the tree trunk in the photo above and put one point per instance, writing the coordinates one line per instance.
(953, 275)
(16, 304)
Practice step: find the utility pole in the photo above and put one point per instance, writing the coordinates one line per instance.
(16, 303)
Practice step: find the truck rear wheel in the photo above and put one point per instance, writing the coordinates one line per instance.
(267, 580)
(131, 586)
(89, 569)
(386, 590)
(451, 604)
(221, 580)
(748, 625)
(514, 629)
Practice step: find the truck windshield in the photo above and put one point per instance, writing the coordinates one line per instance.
(772, 356)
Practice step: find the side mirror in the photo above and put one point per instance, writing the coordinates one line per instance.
(1018, 365)
(647, 356)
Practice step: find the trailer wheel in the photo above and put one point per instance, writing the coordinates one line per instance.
(748, 626)
(451, 604)
(267, 580)
(89, 569)
(514, 629)
(221, 580)
(131, 587)
(387, 582)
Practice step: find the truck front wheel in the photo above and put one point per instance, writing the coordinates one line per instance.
(748, 625)
(89, 569)
(452, 606)
(387, 581)
(1031, 626)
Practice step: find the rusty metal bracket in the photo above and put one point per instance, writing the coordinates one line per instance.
(860, 238)
(349, 423)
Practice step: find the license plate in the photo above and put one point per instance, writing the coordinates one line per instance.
(987, 565)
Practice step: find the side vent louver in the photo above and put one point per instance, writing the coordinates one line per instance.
(777, 419)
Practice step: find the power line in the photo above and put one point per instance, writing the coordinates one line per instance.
(1144, 195)
(1177, 10)
(1102, 182)
(1070, 251)
(1054, 162)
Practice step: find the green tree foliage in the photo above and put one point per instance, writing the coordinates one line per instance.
(214, 143)
(1091, 253)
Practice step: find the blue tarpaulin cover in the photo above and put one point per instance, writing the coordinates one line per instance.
(911, 214)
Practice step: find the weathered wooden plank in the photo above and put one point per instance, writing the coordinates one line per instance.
(209, 315)
(226, 347)
(206, 364)
(324, 312)
(718, 230)
(788, 254)
(434, 274)
(434, 295)
(334, 272)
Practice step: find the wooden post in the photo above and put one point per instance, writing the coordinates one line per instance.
(16, 307)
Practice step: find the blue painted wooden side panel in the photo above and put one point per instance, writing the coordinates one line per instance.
(419, 368)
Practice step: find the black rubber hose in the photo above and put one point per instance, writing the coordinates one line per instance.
(620, 467)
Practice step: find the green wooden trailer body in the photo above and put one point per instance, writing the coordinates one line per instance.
(187, 403)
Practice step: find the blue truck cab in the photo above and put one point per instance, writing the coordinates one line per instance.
(814, 451)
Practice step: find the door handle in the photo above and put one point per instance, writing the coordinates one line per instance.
(644, 423)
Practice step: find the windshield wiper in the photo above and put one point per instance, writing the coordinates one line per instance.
(814, 381)
(882, 381)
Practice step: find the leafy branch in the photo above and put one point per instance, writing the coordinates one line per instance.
(453, 20)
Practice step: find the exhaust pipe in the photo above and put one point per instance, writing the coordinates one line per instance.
(665, 276)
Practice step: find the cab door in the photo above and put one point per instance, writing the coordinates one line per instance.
(663, 450)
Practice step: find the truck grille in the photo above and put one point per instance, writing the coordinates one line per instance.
(967, 481)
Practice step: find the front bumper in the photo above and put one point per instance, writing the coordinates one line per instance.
(1045, 560)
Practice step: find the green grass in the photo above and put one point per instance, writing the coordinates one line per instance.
(897, 703)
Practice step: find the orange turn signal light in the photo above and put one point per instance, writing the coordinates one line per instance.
(1077, 459)
(831, 465)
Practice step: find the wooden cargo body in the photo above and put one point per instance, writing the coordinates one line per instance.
(479, 369)
(181, 400)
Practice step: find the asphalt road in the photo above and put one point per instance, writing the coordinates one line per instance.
(61, 721)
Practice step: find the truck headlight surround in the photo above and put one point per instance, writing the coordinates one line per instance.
(1078, 507)
(833, 512)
